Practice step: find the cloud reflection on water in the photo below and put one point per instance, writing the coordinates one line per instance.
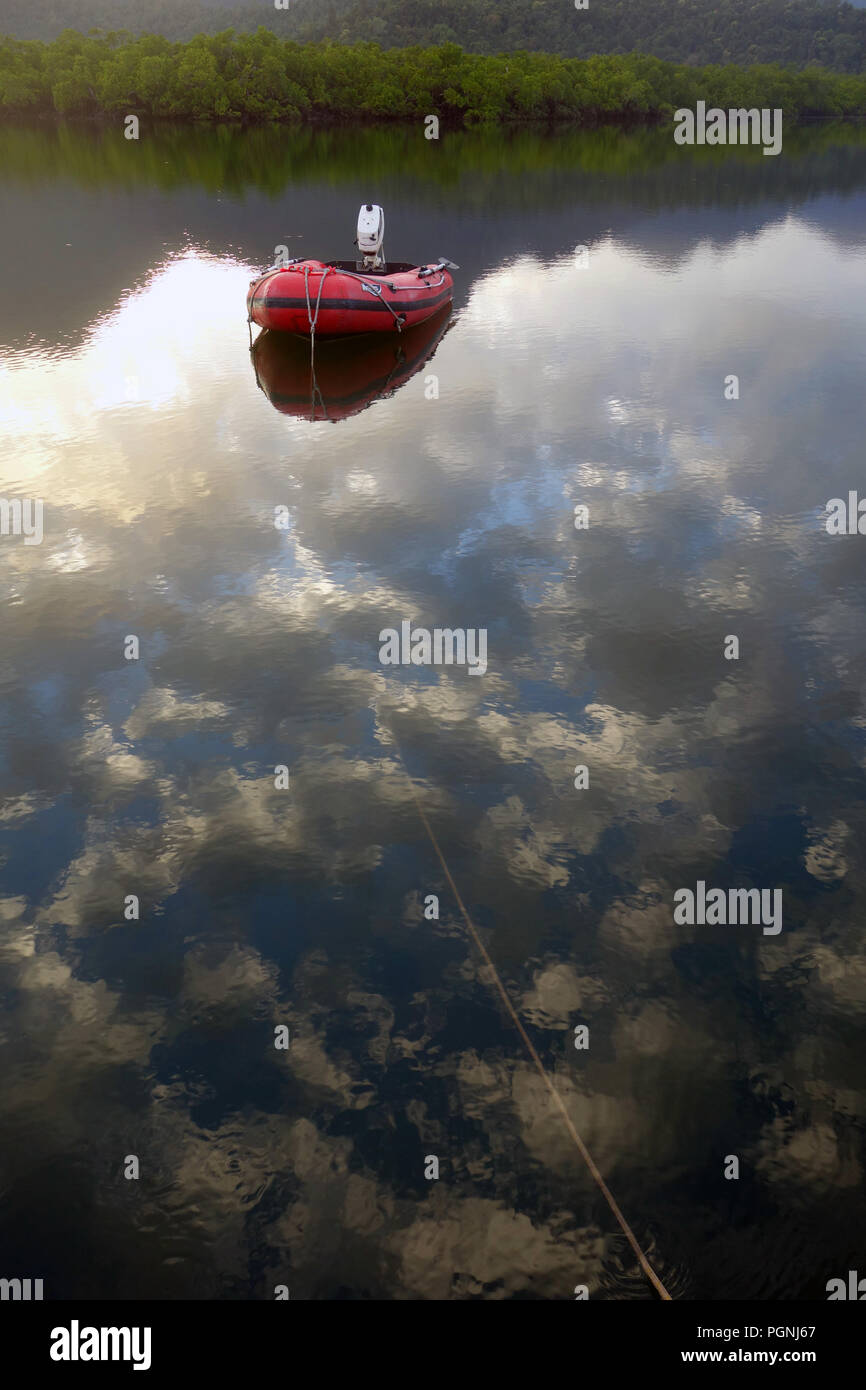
(260, 907)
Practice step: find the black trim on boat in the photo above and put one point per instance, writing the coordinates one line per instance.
(278, 301)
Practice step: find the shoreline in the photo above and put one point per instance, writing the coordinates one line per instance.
(629, 124)
(254, 80)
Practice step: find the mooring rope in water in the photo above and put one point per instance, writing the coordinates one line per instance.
(316, 391)
(530, 1047)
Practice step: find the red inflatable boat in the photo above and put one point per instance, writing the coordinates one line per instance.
(333, 299)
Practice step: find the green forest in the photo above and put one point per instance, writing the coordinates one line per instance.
(791, 32)
(257, 77)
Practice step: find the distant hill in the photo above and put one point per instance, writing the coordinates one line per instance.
(795, 32)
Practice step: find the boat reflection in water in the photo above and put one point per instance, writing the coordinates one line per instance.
(342, 376)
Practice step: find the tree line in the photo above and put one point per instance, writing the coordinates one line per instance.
(831, 33)
(257, 77)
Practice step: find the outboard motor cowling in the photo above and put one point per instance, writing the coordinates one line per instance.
(370, 236)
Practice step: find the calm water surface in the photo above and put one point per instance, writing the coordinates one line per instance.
(129, 402)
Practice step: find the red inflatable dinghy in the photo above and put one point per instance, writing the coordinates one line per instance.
(336, 299)
(333, 299)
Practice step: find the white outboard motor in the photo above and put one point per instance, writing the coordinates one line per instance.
(370, 236)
